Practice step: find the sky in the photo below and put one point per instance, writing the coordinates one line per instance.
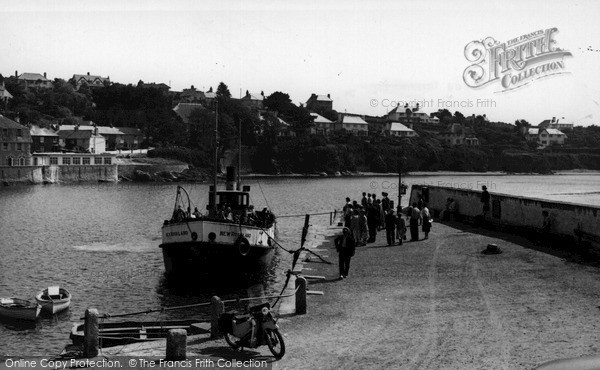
(369, 56)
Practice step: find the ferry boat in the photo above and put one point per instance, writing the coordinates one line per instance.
(232, 237)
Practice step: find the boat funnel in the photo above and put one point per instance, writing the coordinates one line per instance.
(231, 184)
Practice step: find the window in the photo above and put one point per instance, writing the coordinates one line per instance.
(5, 132)
(86, 160)
(9, 161)
(19, 146)
(107, 160)
(41, 139)
(21, 161)
(66, 160)
(97, 160)
(76, 160)
(4, 146)
(19, 132)
(53, 160)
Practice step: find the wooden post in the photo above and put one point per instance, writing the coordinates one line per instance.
(90, 333)
(300, 295)
(330, 218)
(176, 344)
(217, 309)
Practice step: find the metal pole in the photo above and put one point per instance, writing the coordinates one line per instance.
(216, 156)
(239, 186)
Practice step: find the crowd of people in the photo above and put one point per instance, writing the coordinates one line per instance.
(363, 221)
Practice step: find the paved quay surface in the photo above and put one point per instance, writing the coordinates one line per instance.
(442, 304)
(434, 304)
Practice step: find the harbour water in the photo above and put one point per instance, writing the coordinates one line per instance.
(100, 241)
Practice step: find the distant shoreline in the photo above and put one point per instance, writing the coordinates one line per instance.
(420, 173)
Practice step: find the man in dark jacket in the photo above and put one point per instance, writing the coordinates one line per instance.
(345, 246)
(390, 227)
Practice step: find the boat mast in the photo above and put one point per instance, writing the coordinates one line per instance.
(239, 170)
(216, 156)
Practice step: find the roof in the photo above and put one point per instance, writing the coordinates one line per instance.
(81, 135)
(65, 130)
(397, 126)
(323, 98)
(533, 131)
(4, 93)
(32, 77)
(354, 120)
(184, 110)
(553, 131)
(9, 123)
(89, 77)
(40, 131)
(319, 118)
(253, 96)
(210, 95)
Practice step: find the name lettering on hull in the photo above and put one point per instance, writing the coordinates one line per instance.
(177, 233)
(233, 233)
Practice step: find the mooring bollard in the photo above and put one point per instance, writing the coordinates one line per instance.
(330, 218)
(176, 344)
(217, 309)
(300, 295)
(90, 333)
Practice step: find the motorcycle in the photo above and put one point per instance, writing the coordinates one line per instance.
(253, 329)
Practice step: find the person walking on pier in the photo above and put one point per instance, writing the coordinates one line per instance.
(390, 227)
(355, 226)
(415, 221)
(426, 217)
(400, 228)
(372, 222)
(364, 228)
(485, 199)
(345, 246)
(363, 201)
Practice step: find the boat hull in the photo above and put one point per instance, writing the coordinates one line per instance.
(20, 310)
(213, 247)
(113, 334)
(211, 258)
(56, 305)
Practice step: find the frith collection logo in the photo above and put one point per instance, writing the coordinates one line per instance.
(514, 63)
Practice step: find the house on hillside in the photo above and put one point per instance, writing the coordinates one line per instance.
(353, 124)
(399, 130)
(550, 136)
(4, 94)
(319, 103)
(408, 116)
(115, 138)
(160, 86)
(322, 126)
(458, 134)
(184, 110)
(15, 143)
(43, 139)
(253, 100)
(34, 80)
(90, 80)
(556, 124)
(192, 95)
(86, 141)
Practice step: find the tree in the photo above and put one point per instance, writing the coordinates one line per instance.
(223, 91)
(459, 117)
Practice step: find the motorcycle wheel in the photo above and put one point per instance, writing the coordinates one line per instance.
(275, 343)
(232, 341)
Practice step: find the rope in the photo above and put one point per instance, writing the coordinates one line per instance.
(304, 214)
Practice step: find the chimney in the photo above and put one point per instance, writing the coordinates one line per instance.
(553, 119)
(16, 73)
(88, 73)
(45, 75)
(230, 178)
(329, 96)
(76, 128)
(96, 131)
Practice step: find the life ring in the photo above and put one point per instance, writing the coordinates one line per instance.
(194, 236)
(243, 245)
